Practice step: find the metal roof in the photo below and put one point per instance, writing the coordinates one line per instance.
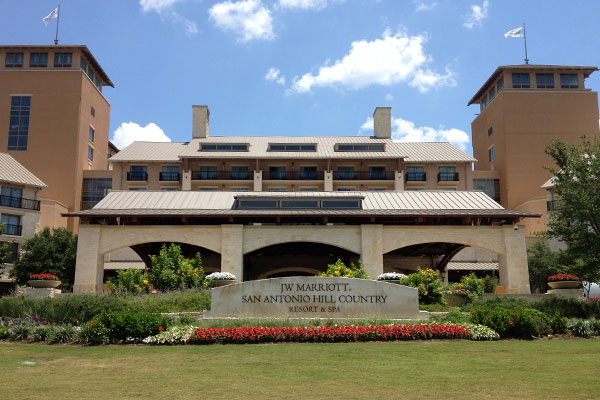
(587, 71)
(472, 266)
(114, 265)
(418, 152)
(11, 171)
(401, 203)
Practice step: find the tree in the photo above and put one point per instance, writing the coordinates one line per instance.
(542, 263)
(52, 252)
(5, 250)
(577, 185)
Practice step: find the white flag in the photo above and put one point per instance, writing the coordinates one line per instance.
(53, 14)
(517, 32)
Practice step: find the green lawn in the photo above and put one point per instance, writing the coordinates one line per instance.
(462, 369)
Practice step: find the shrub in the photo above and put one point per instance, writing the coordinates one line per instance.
(481, 332)
(570, 308)
(186, 319)
(558, 325)
(521, 323)
(3, 332)
(92, 333)
(132, 281)
(339, 269)
(474, 285)
(489, 284)
(20, 332)
(40, 333)
(173, 335)
(171, 270)
(428, 283)
(130, 326)
(580, 328)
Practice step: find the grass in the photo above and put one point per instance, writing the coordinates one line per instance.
(507, 369)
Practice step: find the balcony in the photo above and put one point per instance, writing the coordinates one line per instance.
(19, 202)
(137, 176)
(364, 175)
(554, 205)
(221, 175)
(169, 176)
(448, 177)
(13, 230)
(416, 177)
(294, 175)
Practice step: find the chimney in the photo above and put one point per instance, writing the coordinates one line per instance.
(200, 117)
(382, 122)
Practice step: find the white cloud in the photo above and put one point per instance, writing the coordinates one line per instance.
(165, 9)
(305, 4)
(156, 5)
(406, 131)
(389, 97)
(478, 14)
(130, 132)
(387, 61)
(275, 75)
(248, 19)
(423, 6)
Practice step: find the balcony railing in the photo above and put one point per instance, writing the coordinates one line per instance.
(19, 202)
(294, 175)
(137, 176)
(221, 175)
(364, 175)
(448, 177)
(13, 230)
(169, 176)
(416, 176)
(554, 205)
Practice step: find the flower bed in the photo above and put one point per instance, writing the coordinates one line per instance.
(220, 276)
(562, 277)
(335, 333)
(391, 276)
(44, 277)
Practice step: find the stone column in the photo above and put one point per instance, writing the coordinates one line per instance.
(186, 180)
(328, 184)
(89, 268)
(398, 180)
(258, 181)
(512, 264)
(232, 257)
(372, 249)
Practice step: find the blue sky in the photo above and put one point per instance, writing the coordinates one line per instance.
(306, 67)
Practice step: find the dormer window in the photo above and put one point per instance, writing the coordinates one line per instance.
(14, 60)
(521, 81)
(569, 81)
(292, 147)
(291, 202)
(360, 147)
(224, 147)
(63, 60)
(38, 60)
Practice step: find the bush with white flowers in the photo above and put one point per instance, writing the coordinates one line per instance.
(391, 276)
(481, 332)
(173, 335)
(220, 276)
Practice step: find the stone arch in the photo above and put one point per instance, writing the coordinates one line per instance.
(268, 274)
(257, 237)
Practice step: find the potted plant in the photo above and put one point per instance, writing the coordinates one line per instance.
(43, 281)
(217, 279)
(456, 295)
(563, 281)
(391, 277)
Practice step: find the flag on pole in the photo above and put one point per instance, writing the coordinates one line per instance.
(53, 14)
(517, 32)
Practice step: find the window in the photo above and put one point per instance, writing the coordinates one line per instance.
(544, 81)
(377, 173)
(18, 129)
(94, 190)
(360, 147)
(90, 74)
(346, 189)
(569, 81)
(447, 174)
(137, 173)
(292, 147)
(340, 204)
(11, 197)
(490, 131)
(93, 111)
(137, 189)
(257, 203)
(208, 172)
(38, 60)
(224, 147)
(97, 83)
(484, 101)
(12, 224)
(500, 85)
(415, 174)
(169, 174)
(377, 189)
(276, 172)
(415, 189)
(520, 81)
(308, 173)
(168, 189)
(90, 153)
(83, 64)
(492, 154)
(299, 203)
(308, 189)
(208, 189)
(492, 93)
(241, 173)
(345, 173)
(91, 134)
(239, 189)
(447, 189)
(14, 60)
(491, 187)
(62, 60)
(13, 252)
(276, 189)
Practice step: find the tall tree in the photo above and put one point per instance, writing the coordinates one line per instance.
(577, 185)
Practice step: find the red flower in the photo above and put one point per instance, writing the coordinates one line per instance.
(551, 330)
(92, 324)
(44, 277)
(160, 329)
(512, 323)
(517, 314)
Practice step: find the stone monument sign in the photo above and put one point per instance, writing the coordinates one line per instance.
(315, 297)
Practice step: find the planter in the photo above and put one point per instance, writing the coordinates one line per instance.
(221, 282)
(455, 300)
(564, 284)
(43, 284)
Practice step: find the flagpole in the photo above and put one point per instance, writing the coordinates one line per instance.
(58, 20)
(525, 40)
